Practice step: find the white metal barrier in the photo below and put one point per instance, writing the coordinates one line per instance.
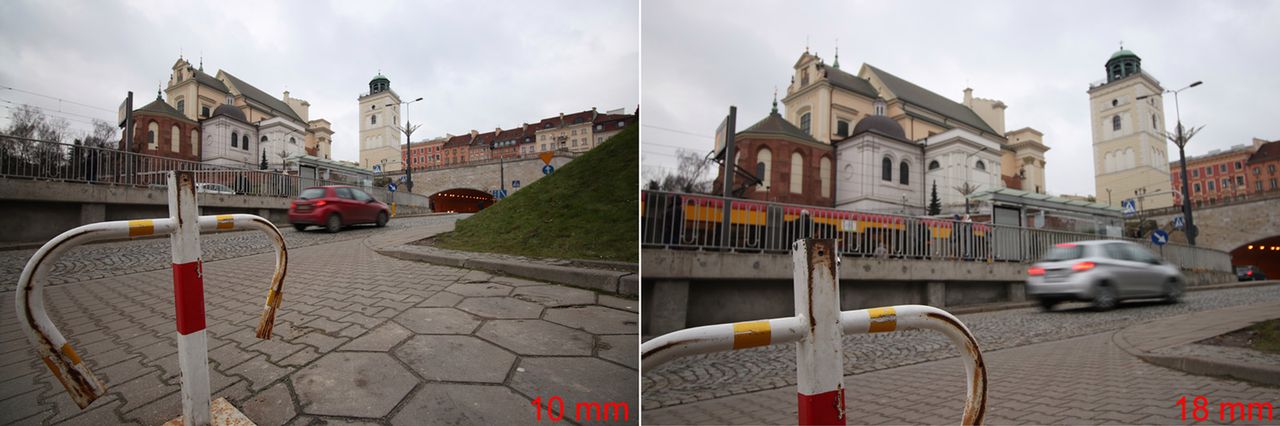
(183, 227)
(817, 329)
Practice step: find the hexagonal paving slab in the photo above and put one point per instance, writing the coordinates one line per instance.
(621, 349)
(554, 295)
(538, 337)
(577, 380)
(354, 384)
(458, 404)
(500, 307)
(437, 321)
(595, 319)
(456, 359)
(479, 289)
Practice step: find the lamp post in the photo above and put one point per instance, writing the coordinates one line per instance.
(1180, 139)
(502, 178)
(968, 188)
(408, 145)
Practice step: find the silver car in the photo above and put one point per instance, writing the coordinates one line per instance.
(1103, 272)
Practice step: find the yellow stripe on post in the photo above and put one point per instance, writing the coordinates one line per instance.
(882, 320)
(751, 334)
(70, 353)
(142, 227)
(226, 221)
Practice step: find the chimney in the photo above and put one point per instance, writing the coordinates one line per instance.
(496, 131)
(968, 97)
(286, 96)
(593, 114)
(474, 133)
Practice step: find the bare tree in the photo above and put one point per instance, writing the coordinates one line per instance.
(690, 174)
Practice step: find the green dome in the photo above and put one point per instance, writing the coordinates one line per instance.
(379, 77)
(1123, 53)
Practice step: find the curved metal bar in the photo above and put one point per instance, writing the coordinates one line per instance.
(914, 317)
(720, 338)
(230, 222)
(83, 386)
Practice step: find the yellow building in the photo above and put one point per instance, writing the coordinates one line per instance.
(379, 127)
(1130, 152)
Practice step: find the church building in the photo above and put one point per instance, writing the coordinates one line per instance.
(876, 142)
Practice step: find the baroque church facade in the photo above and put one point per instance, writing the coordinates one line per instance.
(872, 141)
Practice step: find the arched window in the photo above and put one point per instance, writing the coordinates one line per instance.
(195, 143)
(1115, 122)
(262, 141)
(175, 138)
(797, 173)
(1153, 121)
(804, 123)
(373, 119)
(824, 175)
(153, 136)
(182, 103)
(933, 165)
(886, 169)
(244, 140)
(904, 173)
(980, 165)
(235, 140)
(764, 164)
(293, 141)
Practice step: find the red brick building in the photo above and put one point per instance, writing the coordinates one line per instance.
(160, 130)
(771, 151)
(1224, 175)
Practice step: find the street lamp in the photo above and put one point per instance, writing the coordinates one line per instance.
(502, 177)
(968, 188)
(1180, 139)
(408, 145)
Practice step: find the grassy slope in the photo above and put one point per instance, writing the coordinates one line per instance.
(585, 210)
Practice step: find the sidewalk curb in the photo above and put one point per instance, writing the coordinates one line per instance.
(1001, 306)
(616, 282)
(1268, 375)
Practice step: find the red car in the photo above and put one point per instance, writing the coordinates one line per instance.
(334, 207)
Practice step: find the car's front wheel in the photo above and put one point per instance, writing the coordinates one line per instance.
(1172, 291)
(1106, 298)
(300, 227)
(382, 219)
(1047, 304)
(333, 223)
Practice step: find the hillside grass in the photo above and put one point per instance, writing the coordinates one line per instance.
(587, 209)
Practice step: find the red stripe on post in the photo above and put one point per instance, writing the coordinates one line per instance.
(188, 297)
(826, 408)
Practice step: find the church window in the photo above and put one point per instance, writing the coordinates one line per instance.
(764, 160)
(175, 139)
(904, 173)
(879, 107)
(797, 173)
(204, 111)
(153, 131)
(804, 123)
(195, 142)
(244, 142)
(293, 141)
(804, 78)
(842, 128)
(182, 104)
(886, 169)
(373, 119)
(1115, 122)
(933, 165)
(235, 140)
(980, 165)
(824, 175)
(1153, 121)
(1115, 102)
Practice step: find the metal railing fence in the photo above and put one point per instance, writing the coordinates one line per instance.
(693, 221)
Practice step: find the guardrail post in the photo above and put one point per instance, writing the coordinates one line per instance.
(188, 298)
(819, 353)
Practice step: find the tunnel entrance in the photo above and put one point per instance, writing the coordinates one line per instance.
(1263, 254)
(460, 200)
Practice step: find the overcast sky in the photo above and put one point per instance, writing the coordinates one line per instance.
(1038, 57)
(478, 64)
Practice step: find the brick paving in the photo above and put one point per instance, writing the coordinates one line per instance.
(1083, 380)
(712, 376)
(360, 337)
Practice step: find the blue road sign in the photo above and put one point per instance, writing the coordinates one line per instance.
(1179, 223)
(377, 168)
(1159, 237)
(515, 184)
(547, 169)
(391, 187)
(499, 193)
(1129, 207)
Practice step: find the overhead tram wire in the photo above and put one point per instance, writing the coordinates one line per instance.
(47, 110)
(678, 131)
(57, 98)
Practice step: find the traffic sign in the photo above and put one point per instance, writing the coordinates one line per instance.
(515, 184)
(1179, 223)
(1129, 207)
(391, 187)
(377, 168)
(1159, 237)
(546, 157)
(547, 169)
(499, 193)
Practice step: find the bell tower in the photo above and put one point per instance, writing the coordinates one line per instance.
(379, 122)
(1130, 152)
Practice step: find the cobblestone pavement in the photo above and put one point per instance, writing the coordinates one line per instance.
(1083, 380)
(723, 374)
(128, 257)
(360, 337)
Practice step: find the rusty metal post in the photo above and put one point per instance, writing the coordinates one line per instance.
(819, 353)
(188, 298)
